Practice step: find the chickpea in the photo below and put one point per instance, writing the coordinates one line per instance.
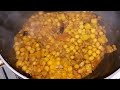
(76, 66)
(37, 45)
(101, 48)
(94, 21)
(84, 37)
(17, 52)
(79, 41)
(94, 54)
(89, 52)
(47, 68)
(32, 50)
(65, 46)
(70, 68)
(93, 30)
(24, 68)
(72, 57)
(47, 46)
(94, 40)
(98, 51)
(92, 36)
(22, 49)
(87, 26)
(89, 47)
(16, 43)
(72, 40)
(71, 47)
(16, 48)
(97, 44)
(68, 50)
(77, 36)
(28, 48)
(101, 33)
(49, 62)
(91, 58)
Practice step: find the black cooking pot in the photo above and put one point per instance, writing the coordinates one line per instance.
(12, 21)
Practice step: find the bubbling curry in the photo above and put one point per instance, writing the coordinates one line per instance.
(61, 45)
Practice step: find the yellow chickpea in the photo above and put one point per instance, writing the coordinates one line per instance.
(94, 49)
(84, 50)
(39, 70)
(22, 54)
(101, 48)
(22, 49)
(84, 37)
(37, 48)
(24, 68)
(80, 31)
(94, 21)
(47, 68)
(53, 52)
(80, 71)
(72, 40)
(49, 62)
(19, 63)
(76, 66)
(77, 36)
(97, 44)
(94, 40)
(86, 56)
(57, 53)
(16, 43)
(48, 46)
(87, 26)
(72, 57)
(89, 52)
(65, 46)
(79, 41)
(91, 58)
(70, 76)
(101, 33)
(69, 68)
(89, 47)
(93, 30)
(16, 48)
(71, 47)
(92, 36)
(37, 45)
(32, 50)
(94, 54)
(17, 52)
(98, 52)
(68, 50)
(28, 48)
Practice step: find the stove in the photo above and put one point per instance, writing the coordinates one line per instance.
(6, 73)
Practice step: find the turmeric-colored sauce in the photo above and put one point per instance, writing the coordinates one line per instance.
(61, 45)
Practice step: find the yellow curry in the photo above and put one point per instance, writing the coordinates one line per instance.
(61, 45)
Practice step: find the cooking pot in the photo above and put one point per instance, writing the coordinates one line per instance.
(12, 21)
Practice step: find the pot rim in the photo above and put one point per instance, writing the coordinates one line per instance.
(12, 69)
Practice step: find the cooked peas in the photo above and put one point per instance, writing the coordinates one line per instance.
(49, 52)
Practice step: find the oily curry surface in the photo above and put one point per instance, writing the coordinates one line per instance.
(61, 45)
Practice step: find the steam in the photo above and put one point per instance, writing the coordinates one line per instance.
(10, 24)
